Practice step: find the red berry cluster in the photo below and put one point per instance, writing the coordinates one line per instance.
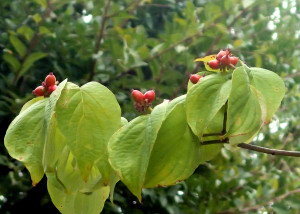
(47, 87)
(224, 60)
(142, 101)
(194, 78)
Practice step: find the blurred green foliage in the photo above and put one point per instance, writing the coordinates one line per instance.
(152, 44)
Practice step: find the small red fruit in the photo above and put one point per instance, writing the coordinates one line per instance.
(221, 54)
(51, 88)
(214, 64)
(195, 78)
(234, 60)
(225, 61)
(39, 91)
(50, 80)
(149, 95)
(137, 95)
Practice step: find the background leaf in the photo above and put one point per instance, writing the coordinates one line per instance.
(18, 45)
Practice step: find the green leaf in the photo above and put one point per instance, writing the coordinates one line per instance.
(271, 86)
(69, 193)
(13, 61)
(246, 109)
(30, 102)
(124, 121)
(53, 139)
(18, 45)
(204, 100)
(54, 143)
(24, 139)
(130, 148)
(26, 31)
(30, 60)
(175, 154)
(87, 116)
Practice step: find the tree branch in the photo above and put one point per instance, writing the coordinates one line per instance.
(254, 147)
(99, 39)
(269, 151)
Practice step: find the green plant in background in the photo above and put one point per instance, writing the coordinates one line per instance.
(149, 45)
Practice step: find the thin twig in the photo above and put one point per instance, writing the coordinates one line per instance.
(99, 39)
(212, 134)
(269, 151)
(256, 148)
(209, 142)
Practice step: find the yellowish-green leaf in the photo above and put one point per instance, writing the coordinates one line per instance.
(87, 116)
(24, 139)
(205, 60)
(246, 109)
(271, 86)
(204, 100)
(30, 102)
(175, 154)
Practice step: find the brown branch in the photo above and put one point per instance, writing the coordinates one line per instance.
(99, 39)
(269, 151)
(210, 142)
(212, 134)
(257, 148)
(34, 40)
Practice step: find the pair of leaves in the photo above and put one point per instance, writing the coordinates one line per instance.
(253, 95)
(74, 123)
(153, 150)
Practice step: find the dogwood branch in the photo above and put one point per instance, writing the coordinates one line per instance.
(255, 148)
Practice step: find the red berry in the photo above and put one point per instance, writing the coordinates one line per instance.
(214, 64)
(149, 95)
(221, 54)
(195, 78)
(225, 61)
(51, 88)
(50, 80)
(39, 91)
(137, 95)
(234, 60)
